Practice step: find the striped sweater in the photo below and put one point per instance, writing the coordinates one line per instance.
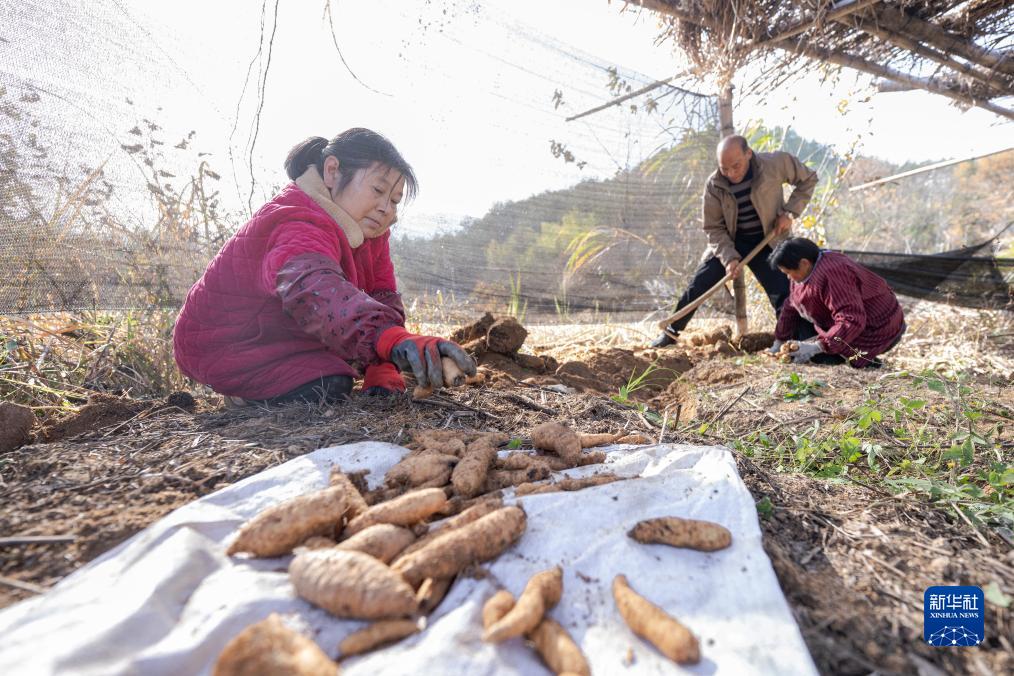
(853, 310)
(747, 220)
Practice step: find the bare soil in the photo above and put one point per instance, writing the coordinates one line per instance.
(852, 559)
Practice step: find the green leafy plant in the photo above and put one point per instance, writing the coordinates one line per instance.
(634, 383)
(797, 388)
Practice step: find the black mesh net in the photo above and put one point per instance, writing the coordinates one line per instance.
(125, 165)
(962, 277)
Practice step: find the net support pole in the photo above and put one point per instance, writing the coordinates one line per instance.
(726, 129)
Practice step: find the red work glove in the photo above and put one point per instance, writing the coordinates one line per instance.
(382, 379)
(421, 355)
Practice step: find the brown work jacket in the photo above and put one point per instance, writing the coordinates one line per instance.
(770, 172)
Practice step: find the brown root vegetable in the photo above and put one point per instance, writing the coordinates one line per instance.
(469, 477)
(498, 605)
(431, 592)
(703, 536)
(351, 584)
(382, 541)
(566, 484)
(279, 528)
(516, 461)
(416, 470)
(633, 439)
(382, 494)
(473, 513)
(441, 441)
(270, 647)
(542, 592)
(557, 438)
(377, 634)
(589, 440)
(405, 510)
(583, 459)
(317, 542)
(558, 649)
(655, 625)
(357, 504)
(500, 479)
(785, 351)
(454, 447)
(453, 376)
(456, 504)
(481, 540)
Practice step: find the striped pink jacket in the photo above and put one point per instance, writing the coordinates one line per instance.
(853, 310)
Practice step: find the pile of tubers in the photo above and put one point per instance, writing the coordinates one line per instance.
(785, 351)
(362, 562)
(467, 465)
(374, 558)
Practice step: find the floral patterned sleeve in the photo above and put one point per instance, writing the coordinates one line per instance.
(315, 292)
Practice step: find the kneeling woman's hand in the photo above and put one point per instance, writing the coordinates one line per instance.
(382, 379)
(808, 349)
(421, 355)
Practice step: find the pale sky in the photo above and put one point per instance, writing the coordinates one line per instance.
(463, 88)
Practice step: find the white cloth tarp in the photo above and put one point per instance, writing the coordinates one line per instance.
(168, 600)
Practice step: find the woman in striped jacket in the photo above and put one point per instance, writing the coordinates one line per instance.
(855, 315)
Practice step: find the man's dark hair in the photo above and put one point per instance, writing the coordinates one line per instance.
(791, 251)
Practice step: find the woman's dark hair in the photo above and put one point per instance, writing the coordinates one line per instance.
(791, 251)
(356, 149)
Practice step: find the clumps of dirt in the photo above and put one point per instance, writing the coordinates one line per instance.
(538, 363)
(717, 372)
(500, 365)
(755, 342)
(489, 334)
(680, 400)
(578, 375)
(506, 336)
(182, 400)
(609, 369)
(719, 342)
(102, 410)
(495, 342)
(16, 424)
(700, 338)
(477, 330)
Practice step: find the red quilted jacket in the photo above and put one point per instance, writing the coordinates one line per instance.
(235, 333)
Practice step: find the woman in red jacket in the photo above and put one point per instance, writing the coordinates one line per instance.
(303, 298)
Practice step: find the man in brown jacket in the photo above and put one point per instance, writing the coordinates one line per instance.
(743, 202)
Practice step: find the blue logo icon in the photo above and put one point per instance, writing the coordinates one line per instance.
(954, 616)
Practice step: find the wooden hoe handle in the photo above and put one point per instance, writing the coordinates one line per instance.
(684, 311)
